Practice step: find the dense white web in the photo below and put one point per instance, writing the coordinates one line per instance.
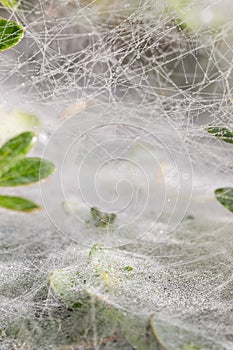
(80, 54)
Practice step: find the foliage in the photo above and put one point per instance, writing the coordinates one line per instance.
(101, 219)
(9, 3)
(83, 290)
(17, 203)
(10, 34)
(221, 133)
(223, 195)
(16, 169)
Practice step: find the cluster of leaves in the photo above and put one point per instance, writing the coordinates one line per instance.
(10, 32)
(16, 170)
(80, 291)
(224, 195)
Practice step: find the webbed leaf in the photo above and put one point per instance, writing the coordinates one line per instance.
(96, 248)
(137, 332)
(26, 171)
(221, 133)
(128, 268)
(172, 335)
(191, 346)
(10, 34)
(225, 197)
(109, 318)
(80, 290)
(101, 219)
(68, 287)
(17, 203)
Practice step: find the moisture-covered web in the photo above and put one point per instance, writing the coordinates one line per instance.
(79, 54)
(85, 51)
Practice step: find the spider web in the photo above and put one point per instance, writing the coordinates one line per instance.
(78, 54)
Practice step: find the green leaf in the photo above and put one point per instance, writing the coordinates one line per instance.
(26, 171)
(173, 335)
(10, 34)
(67, 286)
(128, 268)
(101, 219)
(15, 148)
(221, 133)
(191, 346)
(96, 248)
(138, 333)
(225, 197)
(17, 203)
(9, 3)
(18, 146)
